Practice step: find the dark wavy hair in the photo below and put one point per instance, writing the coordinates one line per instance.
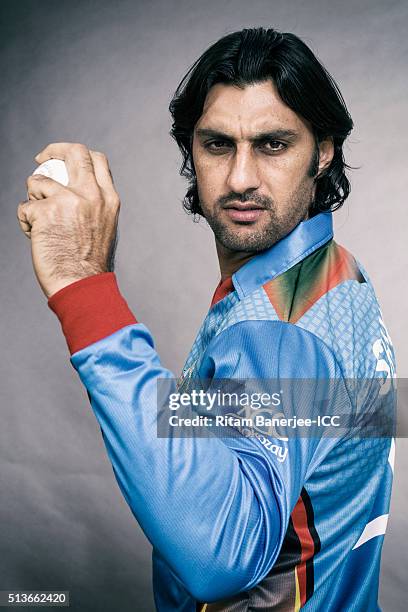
(252, 56)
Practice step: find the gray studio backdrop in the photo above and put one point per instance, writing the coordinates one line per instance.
(103, 73)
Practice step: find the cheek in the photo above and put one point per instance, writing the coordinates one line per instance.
(209, 178)
(287, 175)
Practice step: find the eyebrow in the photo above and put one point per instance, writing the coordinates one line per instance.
(257, 138)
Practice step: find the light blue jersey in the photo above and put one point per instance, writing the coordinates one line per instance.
(260, 522)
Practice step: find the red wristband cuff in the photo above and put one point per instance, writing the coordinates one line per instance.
(90, 309)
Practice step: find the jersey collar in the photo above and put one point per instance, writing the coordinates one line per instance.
(307, 237)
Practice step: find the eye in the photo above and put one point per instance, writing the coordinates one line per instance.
(273, 146)
(217, 146)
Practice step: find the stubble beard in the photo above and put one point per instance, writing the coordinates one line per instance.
(242, 237)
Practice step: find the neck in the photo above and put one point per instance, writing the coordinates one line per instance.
(231, 261)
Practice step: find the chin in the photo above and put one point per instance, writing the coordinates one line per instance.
(249, 242)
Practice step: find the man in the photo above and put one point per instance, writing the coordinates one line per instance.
(238, 522)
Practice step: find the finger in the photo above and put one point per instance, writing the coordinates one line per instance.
(77, 158)
(39, 187)
(103, 175)
(25, 225)
(30, 211)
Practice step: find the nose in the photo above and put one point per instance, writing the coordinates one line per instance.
(243, 173)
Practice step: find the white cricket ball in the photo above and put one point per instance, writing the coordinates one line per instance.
(55, 169)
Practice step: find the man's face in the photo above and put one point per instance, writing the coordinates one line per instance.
(255, 160)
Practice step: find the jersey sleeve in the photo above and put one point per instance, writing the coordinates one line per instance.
(216, 508)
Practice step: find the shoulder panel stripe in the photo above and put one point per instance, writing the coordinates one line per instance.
(295, 291)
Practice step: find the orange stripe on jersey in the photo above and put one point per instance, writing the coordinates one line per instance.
(299, 518)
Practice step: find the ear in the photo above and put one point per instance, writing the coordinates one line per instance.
(326, 153)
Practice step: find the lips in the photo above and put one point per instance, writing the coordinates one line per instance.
(244, 212)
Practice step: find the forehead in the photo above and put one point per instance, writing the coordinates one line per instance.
(254, 108)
